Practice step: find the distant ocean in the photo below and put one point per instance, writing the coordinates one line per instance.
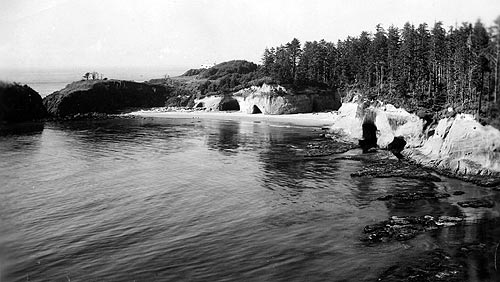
(46, 81)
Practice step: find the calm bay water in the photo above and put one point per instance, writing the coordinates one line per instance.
(200, 200)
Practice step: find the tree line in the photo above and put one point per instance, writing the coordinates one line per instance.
(414, 66)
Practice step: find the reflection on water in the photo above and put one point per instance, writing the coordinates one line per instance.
(28, 128)
(203, 200)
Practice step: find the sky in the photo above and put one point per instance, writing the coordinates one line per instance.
(191, 33)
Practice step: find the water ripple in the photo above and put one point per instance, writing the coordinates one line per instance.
(173, 200)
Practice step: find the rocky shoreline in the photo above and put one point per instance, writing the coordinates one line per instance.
(457, 146)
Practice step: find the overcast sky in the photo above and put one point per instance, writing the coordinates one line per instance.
(188, 33)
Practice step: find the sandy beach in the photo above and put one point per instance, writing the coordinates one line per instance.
(323, 119)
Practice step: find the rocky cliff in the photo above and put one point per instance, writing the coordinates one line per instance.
(20, 103)
(103, 96)
(271, 100)
(389, 120)
(458, 145)
(462, 146)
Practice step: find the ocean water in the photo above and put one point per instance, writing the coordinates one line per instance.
(201, 200)
(47, 81)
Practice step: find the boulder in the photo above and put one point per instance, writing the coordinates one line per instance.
(103, 96)
(20, 103)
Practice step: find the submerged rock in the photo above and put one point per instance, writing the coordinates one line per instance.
(326, 147)
(435, 265)
(20, 103)
(392, 168)
(477, 203)
(414, 196)
(478, 179)
(405, 227)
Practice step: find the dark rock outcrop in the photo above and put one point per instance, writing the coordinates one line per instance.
(326, 147)
(405, 227)
(477, 203)
(20, 103)
(103, 96)
(326, 101)
(413, 196)
(384, 168)
(229, 104)
(397, 146)
(369, 128)
(435, 265)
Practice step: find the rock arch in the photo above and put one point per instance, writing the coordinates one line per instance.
(256, 110)
(229, 105)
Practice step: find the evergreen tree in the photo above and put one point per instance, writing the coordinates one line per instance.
(414, 67)
(294, 51)
(393, 44)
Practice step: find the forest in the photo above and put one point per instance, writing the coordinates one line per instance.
(417, 67)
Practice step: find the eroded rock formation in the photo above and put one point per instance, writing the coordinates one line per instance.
(271, 100)
(461, 145)
(457, 146)
(276, 100)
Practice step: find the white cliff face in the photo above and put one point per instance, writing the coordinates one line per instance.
(346, 122)
(460, 144)
(271, 100)
(210, 103)
(390, 122)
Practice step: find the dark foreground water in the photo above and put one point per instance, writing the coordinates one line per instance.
(209, 200)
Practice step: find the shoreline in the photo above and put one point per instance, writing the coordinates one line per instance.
(320, 119)
(482, 173)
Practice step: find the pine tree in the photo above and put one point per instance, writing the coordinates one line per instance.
(393, 43)
(438, 54)
(268, 60)
(294, 51)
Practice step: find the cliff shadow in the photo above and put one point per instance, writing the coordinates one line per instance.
(256, 110)
(26, 128)
(229, 105)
